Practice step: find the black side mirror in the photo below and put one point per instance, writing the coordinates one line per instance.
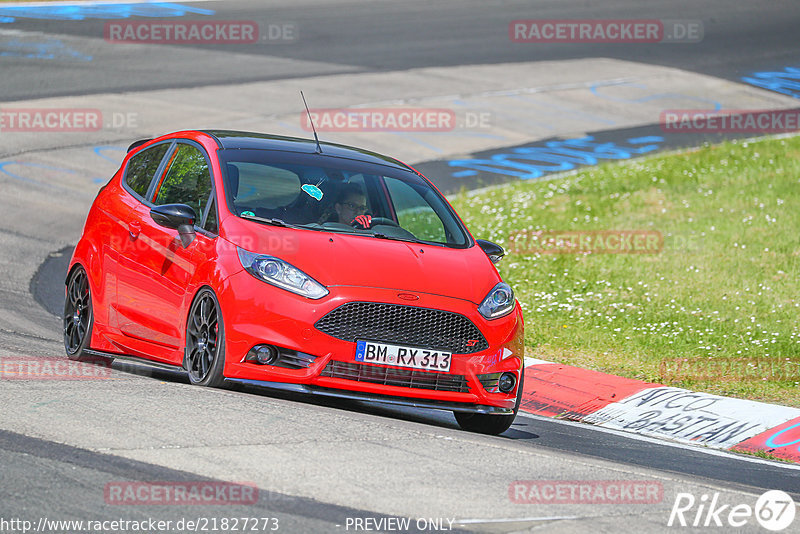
(493, 250)
(178, 217)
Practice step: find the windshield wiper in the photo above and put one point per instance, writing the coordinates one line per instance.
(273, 221)
(393, 238)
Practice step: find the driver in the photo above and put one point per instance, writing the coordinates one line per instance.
(350, 208)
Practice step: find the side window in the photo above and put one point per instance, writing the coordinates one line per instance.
(187, 180)
(414, 213)
(143, 166)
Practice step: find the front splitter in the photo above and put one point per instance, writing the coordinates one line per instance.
(370, 397)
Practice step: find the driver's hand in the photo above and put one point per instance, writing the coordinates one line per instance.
(362, 222)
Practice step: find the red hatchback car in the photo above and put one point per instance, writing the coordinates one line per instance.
(311, 267)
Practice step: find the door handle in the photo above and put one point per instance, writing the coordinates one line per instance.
(134, 228)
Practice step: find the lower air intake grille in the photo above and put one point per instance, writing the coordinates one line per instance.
(396, 377)
(403, 325)
(295, 360)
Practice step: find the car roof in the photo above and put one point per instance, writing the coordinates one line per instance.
(230, 139)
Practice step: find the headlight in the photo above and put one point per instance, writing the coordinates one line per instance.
(499, 302)
(277, 272)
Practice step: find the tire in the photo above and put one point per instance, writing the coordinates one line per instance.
(78, 316)
(491, 424)
(204, 355)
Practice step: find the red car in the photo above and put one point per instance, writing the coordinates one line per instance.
(299, 265)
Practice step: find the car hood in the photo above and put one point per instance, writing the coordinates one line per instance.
(347, 260)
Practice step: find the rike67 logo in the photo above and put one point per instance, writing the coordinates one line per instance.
(774, 510)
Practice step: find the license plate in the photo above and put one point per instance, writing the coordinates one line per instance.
(411, 357)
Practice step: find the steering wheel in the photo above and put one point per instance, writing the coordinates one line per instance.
(376, 221)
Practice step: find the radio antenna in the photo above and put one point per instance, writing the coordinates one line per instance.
(319, 148)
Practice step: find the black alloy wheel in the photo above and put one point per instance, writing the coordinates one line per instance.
(204, 357)
(78, 317)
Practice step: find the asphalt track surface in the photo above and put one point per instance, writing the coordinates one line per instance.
(46, 476)
(739, 37)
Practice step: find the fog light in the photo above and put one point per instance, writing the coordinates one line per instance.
(263, 354)
(507, 382)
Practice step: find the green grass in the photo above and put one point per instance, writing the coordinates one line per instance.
(761, 454)
(716, 310)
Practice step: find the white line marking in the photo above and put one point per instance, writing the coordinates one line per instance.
(535, 361)
(517, 520)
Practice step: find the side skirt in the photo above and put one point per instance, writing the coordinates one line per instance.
(133, 359)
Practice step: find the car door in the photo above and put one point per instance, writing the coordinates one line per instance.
(118, 238)
(154, 275)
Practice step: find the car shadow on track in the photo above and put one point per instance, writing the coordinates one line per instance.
(429, 417)
(439, 418)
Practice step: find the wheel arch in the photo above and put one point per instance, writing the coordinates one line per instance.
(87, 256)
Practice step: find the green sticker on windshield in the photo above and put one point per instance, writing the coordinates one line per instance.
(312, 191)
(249, 213)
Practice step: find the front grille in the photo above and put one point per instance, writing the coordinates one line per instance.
(405, 378)
(403, 325)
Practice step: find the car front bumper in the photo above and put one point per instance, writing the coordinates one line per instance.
(256, 313)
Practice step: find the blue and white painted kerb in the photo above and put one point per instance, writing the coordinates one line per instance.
(692, 417)
(660, 411)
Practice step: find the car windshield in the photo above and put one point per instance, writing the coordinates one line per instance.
(337, 195)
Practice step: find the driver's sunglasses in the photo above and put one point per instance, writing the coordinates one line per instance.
(355, 207)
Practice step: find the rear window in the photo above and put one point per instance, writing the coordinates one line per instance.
(142, 167)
